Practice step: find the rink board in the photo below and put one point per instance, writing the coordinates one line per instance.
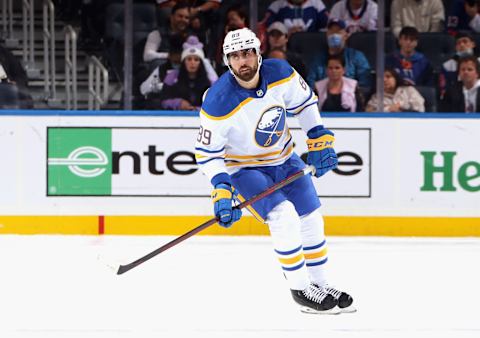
(124, 174)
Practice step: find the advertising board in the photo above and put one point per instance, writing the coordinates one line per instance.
(389, 169)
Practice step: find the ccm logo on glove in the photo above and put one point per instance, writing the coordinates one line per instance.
(325, 141)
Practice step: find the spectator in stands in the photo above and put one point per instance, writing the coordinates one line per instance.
(14, 79)
(236, 17)
(424, 15)
(152, 77)
(195, 6)
(203, 14)
(183, 89)
(464, 45)
(397, 96)
(463, 15)
(157, 45)
(465, 96)
(277, 40)
(276, 53)
(413, 66)
(338, 93)
(298, 15)
(356, 64)
(359, 15)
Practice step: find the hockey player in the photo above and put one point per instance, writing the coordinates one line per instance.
(244, 143)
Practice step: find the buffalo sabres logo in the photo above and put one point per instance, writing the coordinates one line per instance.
(270, 127)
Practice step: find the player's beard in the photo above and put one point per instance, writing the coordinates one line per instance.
(246, 73)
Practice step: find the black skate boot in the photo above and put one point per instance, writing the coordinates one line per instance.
(315, 300)
(344, 299)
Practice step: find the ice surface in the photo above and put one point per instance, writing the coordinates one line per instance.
(232, 287)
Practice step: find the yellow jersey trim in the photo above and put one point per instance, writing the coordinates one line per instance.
(246, 157)
(198, 156)
(237, 108)
(279, 82)
(236, 164)
(301, 108)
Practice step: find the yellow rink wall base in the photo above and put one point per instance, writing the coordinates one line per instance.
(177, 225)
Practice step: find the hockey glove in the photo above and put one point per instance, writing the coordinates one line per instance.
(222, 197)
(320, 150)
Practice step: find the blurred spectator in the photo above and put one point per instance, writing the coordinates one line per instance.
(464, 97)
(464, 45)
(157, 44)
(298, 15)
(236, 18)
(276, 53)
(151, 78)
(183, 89)
(413, 66)
(277, 40)
(424, 15)
(14, 79)
(359, 15)
(462, 15)
(356, 64)
(397, 96)
(203, 14)
(338, 93)
(195, 6)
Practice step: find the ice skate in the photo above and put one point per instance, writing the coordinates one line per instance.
(315, 300)
(344, 299)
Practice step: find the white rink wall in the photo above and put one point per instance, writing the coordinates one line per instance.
(144, 166)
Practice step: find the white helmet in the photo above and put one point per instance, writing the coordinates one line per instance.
(240, 39)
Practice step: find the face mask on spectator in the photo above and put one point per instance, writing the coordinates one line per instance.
(335, 41)
(465, 52)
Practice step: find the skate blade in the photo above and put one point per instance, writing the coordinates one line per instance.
(334, 311)
(348, 309)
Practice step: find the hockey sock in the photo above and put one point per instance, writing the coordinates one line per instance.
(284, 225)
(314, 246)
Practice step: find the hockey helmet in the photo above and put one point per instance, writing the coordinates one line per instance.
(240, 39)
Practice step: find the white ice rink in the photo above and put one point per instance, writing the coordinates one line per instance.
(232, 287)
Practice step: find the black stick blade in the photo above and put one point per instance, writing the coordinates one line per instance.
(123, 268)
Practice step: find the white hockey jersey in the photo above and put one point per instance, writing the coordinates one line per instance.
(248, 127)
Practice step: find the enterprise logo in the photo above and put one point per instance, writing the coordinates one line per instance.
(85, 157)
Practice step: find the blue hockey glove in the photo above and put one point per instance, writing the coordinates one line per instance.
(320, 150)
(222, 197)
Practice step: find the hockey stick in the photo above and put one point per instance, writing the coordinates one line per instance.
(305, 171)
